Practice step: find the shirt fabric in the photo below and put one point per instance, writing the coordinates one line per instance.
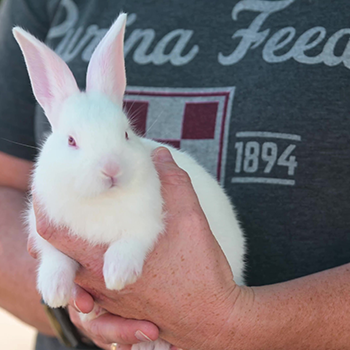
(257, 91)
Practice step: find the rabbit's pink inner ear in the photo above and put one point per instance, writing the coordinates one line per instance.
(106, 70)
(51, 79)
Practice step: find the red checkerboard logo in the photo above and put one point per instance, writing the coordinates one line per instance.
(195, 120)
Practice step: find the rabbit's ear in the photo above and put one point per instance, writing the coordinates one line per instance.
(106, 70)
(51, 79)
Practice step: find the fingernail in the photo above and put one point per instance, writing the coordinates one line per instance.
(142, 336)
(76, 306)
(163, 155)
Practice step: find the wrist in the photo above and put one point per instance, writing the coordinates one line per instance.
(224, 322)
(237, 311)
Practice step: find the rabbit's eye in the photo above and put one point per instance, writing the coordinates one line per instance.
(126, 136)
(71, 141)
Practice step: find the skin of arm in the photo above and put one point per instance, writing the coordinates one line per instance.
(18, 293)
(187, 290)
(311, 312)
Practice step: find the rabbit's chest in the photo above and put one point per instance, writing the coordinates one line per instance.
(107, 223)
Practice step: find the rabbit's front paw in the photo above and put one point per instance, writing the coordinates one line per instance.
(55, 286)
(159, 344)
(56, 278)
(123, 262)
(120, 272)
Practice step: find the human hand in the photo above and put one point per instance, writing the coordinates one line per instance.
(106, 328)
(186, 288)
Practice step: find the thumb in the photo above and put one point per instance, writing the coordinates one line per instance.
(177, 190)
(167, 169)
(170, 174)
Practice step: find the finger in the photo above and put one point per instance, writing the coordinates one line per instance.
(80, 324)
(123, 347)
(31, 247)
(42, 224)
(81, 300)
(98, 339)
(49, 231)
(105, 346)
(75, 318)
(110, 328)
(76, 248)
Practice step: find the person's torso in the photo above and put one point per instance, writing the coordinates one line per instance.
(257, 91)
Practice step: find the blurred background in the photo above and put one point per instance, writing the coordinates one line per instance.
(14, 334)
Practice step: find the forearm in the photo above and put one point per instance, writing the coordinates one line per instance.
(307, 313)
(18, 293)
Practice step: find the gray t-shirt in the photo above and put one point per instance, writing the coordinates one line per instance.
(257, 91)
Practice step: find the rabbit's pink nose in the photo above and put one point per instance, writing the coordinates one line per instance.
(110, 169)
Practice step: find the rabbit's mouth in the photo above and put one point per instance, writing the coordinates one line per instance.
(114, 182)
(111, 180)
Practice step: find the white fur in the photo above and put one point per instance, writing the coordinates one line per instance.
(73, 192)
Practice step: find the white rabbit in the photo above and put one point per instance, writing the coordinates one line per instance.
(95, 176)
